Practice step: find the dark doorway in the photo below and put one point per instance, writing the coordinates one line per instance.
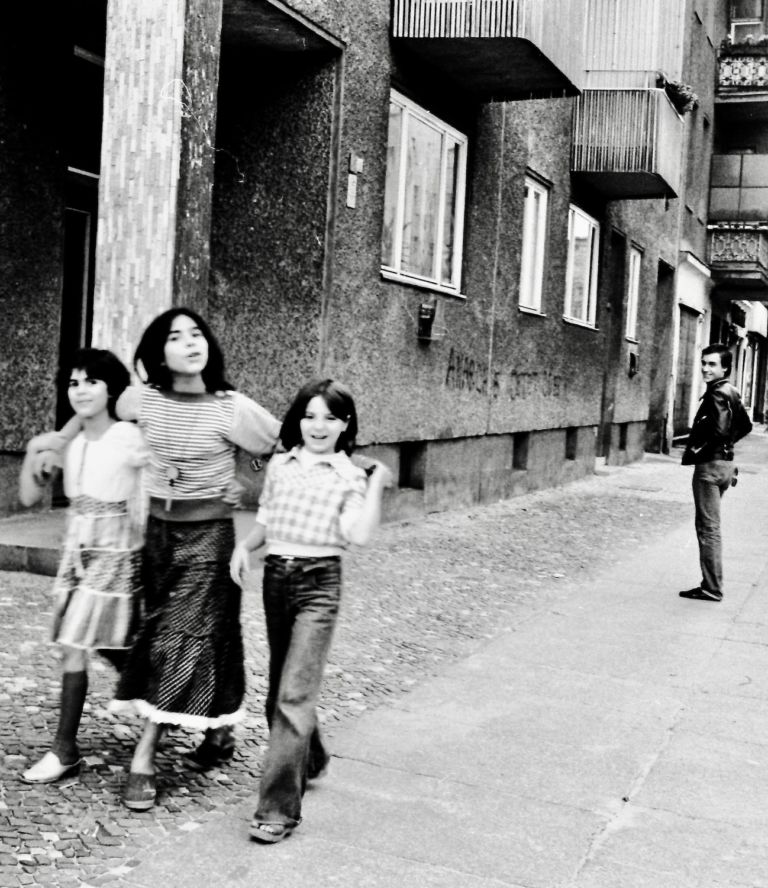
(613, 324)
(686, 366)
(84, 102)
(77, 287)
(656, 435)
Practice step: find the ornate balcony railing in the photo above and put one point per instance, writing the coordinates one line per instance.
(738, 258)
(626, 142)
(502, 49)
(737, 73)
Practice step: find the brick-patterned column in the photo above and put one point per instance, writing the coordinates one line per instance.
(161, 73)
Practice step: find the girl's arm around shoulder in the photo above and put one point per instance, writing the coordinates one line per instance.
(359, 524)
(130, 439)
(254, 429)
(56, 441)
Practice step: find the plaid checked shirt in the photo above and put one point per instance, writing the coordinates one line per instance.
(310, 505)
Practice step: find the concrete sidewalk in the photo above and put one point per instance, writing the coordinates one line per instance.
(616, 738)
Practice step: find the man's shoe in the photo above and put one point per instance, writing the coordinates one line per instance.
(700, 594)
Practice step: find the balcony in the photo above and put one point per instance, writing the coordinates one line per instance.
(742, 68)
(629, 44)
(627, 143)
(742, 83)
(270, 26)
(738, 259)
(496, 49)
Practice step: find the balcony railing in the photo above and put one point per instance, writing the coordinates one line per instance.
(458, 18)
(627, 143)
(742, 68)
(629, 44)
(504, 49)
(738, 258)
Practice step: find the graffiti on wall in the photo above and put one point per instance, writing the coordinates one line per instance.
(466, 373)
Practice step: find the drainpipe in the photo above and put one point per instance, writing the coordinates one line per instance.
(495, 271)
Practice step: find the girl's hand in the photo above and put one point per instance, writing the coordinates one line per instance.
(44, 464)
(380, 474)
(233, 494)
(240, 563)
(140, 457)
(373, 467)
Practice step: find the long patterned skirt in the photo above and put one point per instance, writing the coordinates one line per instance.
(186, 666)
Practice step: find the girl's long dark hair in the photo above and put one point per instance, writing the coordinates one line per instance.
(149, 358)
(97, 363)
(340, 403)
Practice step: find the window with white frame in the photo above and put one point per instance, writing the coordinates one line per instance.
(423, 199)
(746, 20)
(535, 211)
(633, 292)
(581, 274)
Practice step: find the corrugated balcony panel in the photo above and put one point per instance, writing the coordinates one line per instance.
(738, 259)
(497, 49)
(629, 43)
(627, 143)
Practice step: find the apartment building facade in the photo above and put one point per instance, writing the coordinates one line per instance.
(738, 216)
(487, 217)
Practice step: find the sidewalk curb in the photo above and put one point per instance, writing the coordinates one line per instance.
(31, 559)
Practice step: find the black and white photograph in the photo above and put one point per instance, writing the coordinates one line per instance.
(384, 444)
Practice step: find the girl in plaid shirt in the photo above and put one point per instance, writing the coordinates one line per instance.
(314, 503)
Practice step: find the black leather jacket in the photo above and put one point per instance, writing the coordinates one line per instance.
(720, 421)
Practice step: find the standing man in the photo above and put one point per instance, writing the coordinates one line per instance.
(720, 421)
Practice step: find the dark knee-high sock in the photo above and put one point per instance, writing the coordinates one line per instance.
(74, 688)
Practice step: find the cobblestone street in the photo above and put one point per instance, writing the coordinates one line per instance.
(422, 595)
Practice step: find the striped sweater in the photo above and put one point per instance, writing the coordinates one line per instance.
(193, 439)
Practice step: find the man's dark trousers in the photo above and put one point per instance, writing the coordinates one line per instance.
(710, 481)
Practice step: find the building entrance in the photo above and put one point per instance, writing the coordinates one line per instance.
(687, 364)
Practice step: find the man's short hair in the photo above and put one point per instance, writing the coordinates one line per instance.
(726, 358)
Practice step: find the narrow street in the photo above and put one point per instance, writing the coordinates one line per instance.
(516, 696)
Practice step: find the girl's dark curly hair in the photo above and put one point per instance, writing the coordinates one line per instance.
(97, 363)
(149, 358)
(340, 403)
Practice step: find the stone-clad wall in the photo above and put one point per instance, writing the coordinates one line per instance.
(31, 234)
(143, 94)
(273, 164)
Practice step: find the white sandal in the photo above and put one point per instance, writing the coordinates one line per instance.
(50, 769)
